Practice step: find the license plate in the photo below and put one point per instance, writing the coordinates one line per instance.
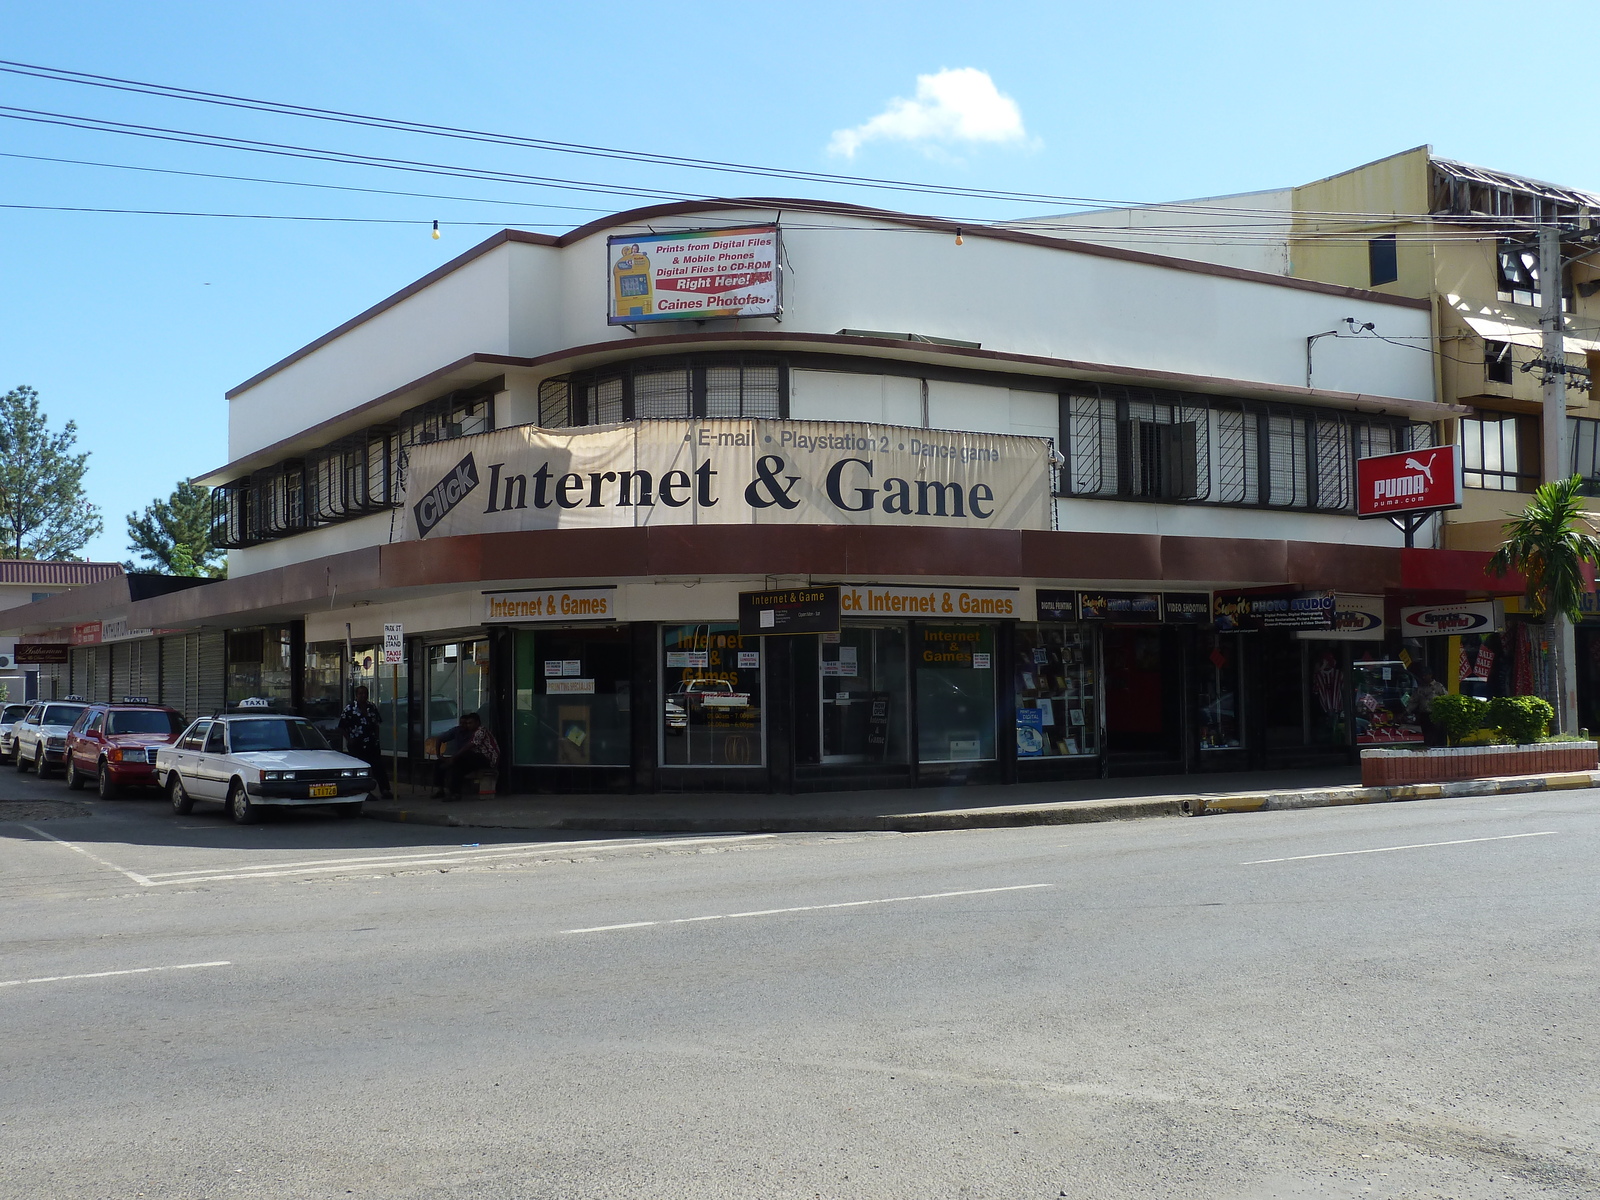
(324, 789)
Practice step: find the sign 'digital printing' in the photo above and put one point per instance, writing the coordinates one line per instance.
(695, 276)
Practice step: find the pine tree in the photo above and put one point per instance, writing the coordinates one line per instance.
(44, 512)
(174, 535)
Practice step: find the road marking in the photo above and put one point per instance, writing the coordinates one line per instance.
(141, 880)
(770, 912)
(434, 858)
(1386, 849)
(106, 974)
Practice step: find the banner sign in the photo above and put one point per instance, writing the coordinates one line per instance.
(1411, 481)
(42, 652)
(789, 611)
(1355, 619)
(870, 600)
(1438, 620)
(726, 472)
(695, 276)
(552, 604)
(1054, 605)
(1285, 610)
(1186, 608)
(1127, 607)
(86, 634)
(117, 630)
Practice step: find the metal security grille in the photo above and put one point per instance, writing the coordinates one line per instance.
(174, 675)
(667, 389)
(210, 688)
(102, 673)
(121, 678)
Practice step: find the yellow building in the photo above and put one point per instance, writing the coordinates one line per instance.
(1424, 226)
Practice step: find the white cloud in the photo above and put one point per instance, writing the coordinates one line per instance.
(960, 105)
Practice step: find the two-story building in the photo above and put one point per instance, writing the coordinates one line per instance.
(1083, 509)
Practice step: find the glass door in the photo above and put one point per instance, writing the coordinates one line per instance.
(458, 683)
(861, 675)
(955, 693)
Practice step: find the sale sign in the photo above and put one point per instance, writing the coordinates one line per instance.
(695, 275)
(1411, 481)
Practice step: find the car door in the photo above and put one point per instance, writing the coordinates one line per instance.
(211, 769)
(186, 752)
(83, 744)
(28, 733)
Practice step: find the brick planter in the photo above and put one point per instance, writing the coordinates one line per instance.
(1387, 767)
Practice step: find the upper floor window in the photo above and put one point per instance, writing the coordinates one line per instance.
(1498, 365)
(678, 389)
(1383, 259)
(1517, 276)
(1495, 452)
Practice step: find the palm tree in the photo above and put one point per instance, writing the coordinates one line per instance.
(1549, 545)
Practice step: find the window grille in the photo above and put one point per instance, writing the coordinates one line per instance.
(673, 389)
(1286, 461)
(1238, 464)
(1091, 451)
(1335, 464)
(662, 394)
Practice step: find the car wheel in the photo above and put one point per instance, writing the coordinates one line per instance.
(347, 811)
(22, 763)
(40, 767)
(182, 803)
(75, 781)
(108, 788)
(239, 806)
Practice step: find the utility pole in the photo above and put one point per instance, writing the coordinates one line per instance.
(1557, 460)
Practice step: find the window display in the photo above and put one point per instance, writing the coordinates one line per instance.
(259, 664)
(955, 693)
(1386, 696)
(711, 696)
(1058, 702)
(1220, 685)
(573, 697)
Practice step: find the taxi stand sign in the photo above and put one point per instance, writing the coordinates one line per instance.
(1409, 486)
(394, 645)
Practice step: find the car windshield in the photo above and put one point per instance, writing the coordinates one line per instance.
(149, 720)
(246, 736)
(61, 714)
(13, 712)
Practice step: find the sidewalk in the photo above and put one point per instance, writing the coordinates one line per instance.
(920, 809)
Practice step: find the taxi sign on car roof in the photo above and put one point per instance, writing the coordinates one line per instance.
(79, 699)
(255, 702)
(136, 699)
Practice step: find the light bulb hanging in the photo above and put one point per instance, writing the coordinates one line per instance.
(436, 231)
(960, 241)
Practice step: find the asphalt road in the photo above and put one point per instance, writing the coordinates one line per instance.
(1394, 1001)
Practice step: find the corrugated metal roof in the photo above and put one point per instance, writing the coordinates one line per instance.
(32, 570)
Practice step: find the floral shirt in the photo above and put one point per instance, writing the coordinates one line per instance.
(360, 724)
(483, 743)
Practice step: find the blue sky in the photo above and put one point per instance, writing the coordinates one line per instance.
(135, 326)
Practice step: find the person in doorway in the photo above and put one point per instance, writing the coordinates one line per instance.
(476, 750)
(360, 723)
(1428, 690)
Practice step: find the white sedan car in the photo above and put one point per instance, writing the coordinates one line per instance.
(39, 740)
(248, 762)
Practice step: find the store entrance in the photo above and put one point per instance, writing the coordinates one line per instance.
(862, 694)
(1144, 690)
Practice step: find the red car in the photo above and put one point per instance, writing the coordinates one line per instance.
(116, 744)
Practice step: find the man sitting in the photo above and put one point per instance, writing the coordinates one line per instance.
(476, 750)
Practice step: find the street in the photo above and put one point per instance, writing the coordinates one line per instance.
(1386, 1001)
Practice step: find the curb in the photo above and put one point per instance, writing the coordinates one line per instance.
(1070, 813)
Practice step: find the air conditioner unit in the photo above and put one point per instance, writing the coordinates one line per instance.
(7, 662)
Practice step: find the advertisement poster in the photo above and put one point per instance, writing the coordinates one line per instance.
(1411, 481)
(725, 472)
(695, 276)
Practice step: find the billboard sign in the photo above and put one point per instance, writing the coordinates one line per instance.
(789, 611)
(42, 652)
(1355, 619)
(1439, 620)
(1412, 481)
(694, 276)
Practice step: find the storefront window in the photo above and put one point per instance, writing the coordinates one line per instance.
(955, 693)
(1220, 691)
(573, 697)
(324, 684)
(259, 665)
(1325, 707)
(458, 683)
(1385, 691)
(711, 696)
(389, 687)
(1057, 697)
(862, 682)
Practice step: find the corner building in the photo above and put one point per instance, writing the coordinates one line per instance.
(1046, 475)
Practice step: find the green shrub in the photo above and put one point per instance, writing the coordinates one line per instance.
(1459, 716)
(1523, 719)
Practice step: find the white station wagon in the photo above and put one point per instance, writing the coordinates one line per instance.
(248, 762)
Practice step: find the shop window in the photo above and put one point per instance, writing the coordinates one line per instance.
(323, 687)
(861, 680)
(1325, 705)
(389, 687)
(1384, 691)
(259, 664)
(711, 696)
(955, 693)
(1058, 700)
(458, 684)
(1221, 691)
(573, 698)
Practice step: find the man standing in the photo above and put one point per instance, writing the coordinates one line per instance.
(476, 750)
(360, 724)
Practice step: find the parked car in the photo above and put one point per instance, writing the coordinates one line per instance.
(250, 761)
(39, 740)
(701, 694)
(9, 716)
(116, 744)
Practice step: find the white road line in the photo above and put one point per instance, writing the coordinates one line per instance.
(770, 912)
(437, 859)
(106, 974)
(1386, 849)
(141, 880)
